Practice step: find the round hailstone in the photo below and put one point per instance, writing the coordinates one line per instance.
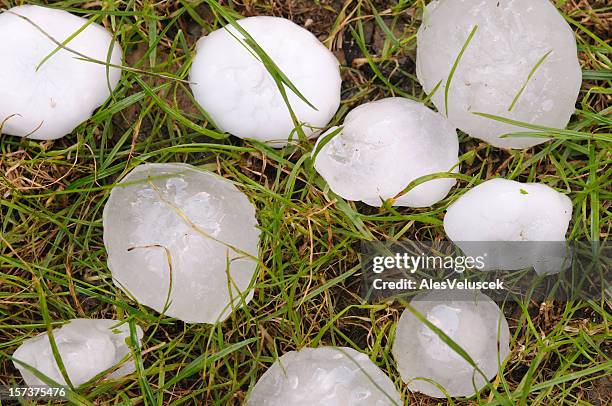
(512, 38)
(521, 221)
(87, 347)
(472, 321)
(327, 376)
(241, 97)
(171, 228)
(48, 101)
(385, 145)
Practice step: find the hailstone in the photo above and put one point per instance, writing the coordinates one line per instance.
(326, 376)
(87, 347)
(240, 95)
(46, 99)
(382, 147)
(513, 40)
(516, 224)
(472, 320)
(174, 234)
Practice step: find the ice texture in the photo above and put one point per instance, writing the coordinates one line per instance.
(326, 376)
(240, 95)
(49, 102)
(382, 147)
(511, 38)
(200, 223)
(472, 320)
(87, 347)
(512, 216)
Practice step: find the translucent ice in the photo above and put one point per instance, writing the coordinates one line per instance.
(240, 95)
(472, 321)
(511, 215)
(326, 376)
(174, 228)
(385, 145)
(87, 347)
(511, 39)
(48, 100)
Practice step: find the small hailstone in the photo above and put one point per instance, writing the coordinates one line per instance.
(472, 321)
(326, 376)
(511, 38)
(49, 102)
(385, 145)
(87, 347)
(201, 224)
(240, 95)
(506, 213)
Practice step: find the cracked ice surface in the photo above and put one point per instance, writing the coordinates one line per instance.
(383, 146)
(240, 94)
(197, 221)
(511, 214)
(87, 347)
(471, 320)
(512, 36)
(325, 376)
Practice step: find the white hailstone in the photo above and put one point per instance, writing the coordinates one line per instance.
(523, 223)
(326, 376)
(472, 320)
(87, 347)
(174, 233)
(385, 145)
(48, 101)
(240, 95)
(511, 38)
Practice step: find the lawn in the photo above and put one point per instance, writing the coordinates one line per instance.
(52, 257)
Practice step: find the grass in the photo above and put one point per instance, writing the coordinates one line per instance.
(53, 261)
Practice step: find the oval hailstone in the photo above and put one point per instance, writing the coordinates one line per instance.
(385, 145)
(512, 37)
(87, 348)
(472, 320)
(241, 97)
(328, 376)
(49, 102)
(197, 221)
(511, 216)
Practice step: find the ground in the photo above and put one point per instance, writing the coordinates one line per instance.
(53, 261)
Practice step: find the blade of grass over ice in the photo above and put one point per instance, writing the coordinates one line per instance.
(264, 58)
(83, 57)
(452, 344)
(569, 134)
(529, 76)
(280, 79)
(73, 397)
(454, 67)
(323, 141)
(66, 41)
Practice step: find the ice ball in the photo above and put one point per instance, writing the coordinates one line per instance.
(524, 223)
(45, 95)
(240, 95)
(174, 234)
(472, 320)
(513, 38)
(382, 147)
(326, 376)
(87, 347)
